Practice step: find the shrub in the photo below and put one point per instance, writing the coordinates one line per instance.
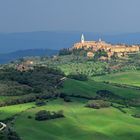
(47, 115)
(100, 53)
(119, 108)
(42, 115)
(29, 117)
(105, 93)
(80, 77)
(67, 99)
(58, 114)
(10, 134)
(40, 102)
(136, 115)
(65, 52)
(135, 102)
(97, 104)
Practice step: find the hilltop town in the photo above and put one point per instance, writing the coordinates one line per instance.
(93, 46)
(88, 49)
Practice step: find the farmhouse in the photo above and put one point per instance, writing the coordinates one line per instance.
(90, 54)
(25, 66)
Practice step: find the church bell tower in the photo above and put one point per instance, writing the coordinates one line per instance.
(82, 39)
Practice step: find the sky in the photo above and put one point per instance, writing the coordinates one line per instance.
(99, 16)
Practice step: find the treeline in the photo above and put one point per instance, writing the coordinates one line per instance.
(28, 98)
(83, 52)
(9, 134)
(40, 79)
(39, 83)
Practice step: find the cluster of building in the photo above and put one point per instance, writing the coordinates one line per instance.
(93, 46)
(25, 66)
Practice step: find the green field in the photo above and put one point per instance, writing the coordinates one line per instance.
(89, 88)
(129, 78)
(9, 111)
(80, 123)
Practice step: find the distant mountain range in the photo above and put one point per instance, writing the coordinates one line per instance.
(7, 57)
(56, 40)
(33, 43)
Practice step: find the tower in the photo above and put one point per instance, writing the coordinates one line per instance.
(82, 39)
(100, 40)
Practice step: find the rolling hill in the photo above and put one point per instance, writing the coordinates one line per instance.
(7, 57)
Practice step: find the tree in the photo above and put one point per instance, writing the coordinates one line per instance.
(80, 77)
(47, 115)
(97, 104)
(65, 52)
(100, 53)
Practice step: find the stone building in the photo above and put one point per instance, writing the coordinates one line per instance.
(90, 54)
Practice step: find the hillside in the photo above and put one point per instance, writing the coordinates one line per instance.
(128, 78)
(31, 99)
(89, 89)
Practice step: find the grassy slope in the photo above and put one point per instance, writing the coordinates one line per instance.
(80, 123)
(9, 111)
(129, 78)
(89, 88)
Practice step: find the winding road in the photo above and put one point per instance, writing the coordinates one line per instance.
(61, 80)
(3, 126)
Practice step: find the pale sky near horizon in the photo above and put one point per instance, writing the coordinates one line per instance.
(100, 16)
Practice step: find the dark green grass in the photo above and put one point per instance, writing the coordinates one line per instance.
(89, 88)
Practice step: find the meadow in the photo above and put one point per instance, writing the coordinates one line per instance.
(80, 123)
(10, 111)
(128, 78)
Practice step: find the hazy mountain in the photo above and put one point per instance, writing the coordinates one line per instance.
(56, 40)
(7, 57)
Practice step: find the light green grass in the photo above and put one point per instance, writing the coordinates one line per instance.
(80, 123)
(129, 78)
(9, 111)
(89, 88)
